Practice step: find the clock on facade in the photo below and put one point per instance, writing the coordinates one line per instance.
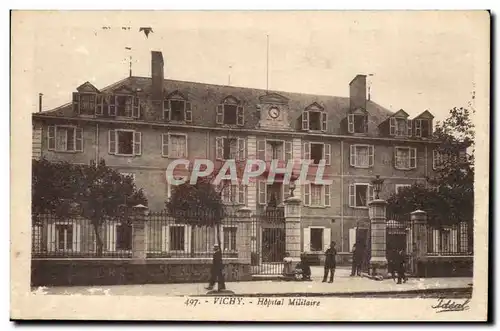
(274, 112)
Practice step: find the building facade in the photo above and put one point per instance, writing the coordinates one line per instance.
(141, 124)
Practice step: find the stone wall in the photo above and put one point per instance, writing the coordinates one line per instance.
(98, 272)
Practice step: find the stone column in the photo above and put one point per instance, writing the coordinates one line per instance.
(419, 229)
(139, 239)
(243, 234)
(378, 260)
(292, 227)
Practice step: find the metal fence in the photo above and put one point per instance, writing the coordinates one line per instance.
(166, 237)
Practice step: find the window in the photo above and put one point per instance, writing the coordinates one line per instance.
(314, 120)
(229, 238)
(230, 148)
(317, 195)
(316, 240)
(400, 187)
(270, 193)
(174, 145)
(124, 237)
(177, 110)
(65, 138)
(230, 113)
(316, 152)
(422, 128)
(87, 103)
(405, 158)
(233, 194)
(64, 236)
(398, 126)
(123, 105)
(360, 195)
(177, 239)
(124, 142)
(362, 156)
(272, 149)
(357, 123)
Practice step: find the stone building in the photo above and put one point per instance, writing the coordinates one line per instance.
(140, 124)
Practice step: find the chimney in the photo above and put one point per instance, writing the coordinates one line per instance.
(157, 78)
(357, 92)
(40, 97)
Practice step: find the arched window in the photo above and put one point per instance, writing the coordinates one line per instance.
(177, 108)
(230, 112)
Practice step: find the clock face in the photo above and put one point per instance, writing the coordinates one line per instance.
(274, 112)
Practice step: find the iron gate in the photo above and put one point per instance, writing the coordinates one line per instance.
(268, 242)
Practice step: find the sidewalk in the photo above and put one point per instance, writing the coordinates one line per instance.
(342, 285)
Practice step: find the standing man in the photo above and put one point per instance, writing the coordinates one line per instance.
(357, 259)
(330, 262)
(400, 266)
(216, 270)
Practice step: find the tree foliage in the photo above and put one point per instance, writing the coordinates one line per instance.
(96, 192)
(448, 195)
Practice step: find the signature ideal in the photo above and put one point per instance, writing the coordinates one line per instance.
(450, 305)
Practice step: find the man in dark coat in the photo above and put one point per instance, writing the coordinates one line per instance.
(400, 264)
(330, 262)
(216, 270)
(357, 259)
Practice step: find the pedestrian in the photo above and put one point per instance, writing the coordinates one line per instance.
(391, 262)
(357, 259)
(400, 266)
(330, 262)
(303, 268)
(216, 274)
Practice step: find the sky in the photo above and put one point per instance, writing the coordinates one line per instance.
(416, 60)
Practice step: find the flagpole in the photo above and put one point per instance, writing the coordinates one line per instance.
(267, 65)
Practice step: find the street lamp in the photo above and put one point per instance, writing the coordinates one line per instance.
(140, 210)
(377, 185)
(292, 188)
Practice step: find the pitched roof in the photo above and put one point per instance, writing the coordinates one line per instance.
(205, 97)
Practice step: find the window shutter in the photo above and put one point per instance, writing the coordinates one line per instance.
(413, 158)
(352, 238)
(327, 233)
(137, 143)
(262, 192)
(409, 127)
(76, 237)
(112, 142)
(165, 236)
(327, 194)
(188, 113)
(220, 114)
(305, 120)
(99, 105)
(370, 193)
(392, 126)
(136, 108)
(306, 150)
(79, 139)
(365, 120)
(307, 194)
(352, 196)
(395, 161)
(239, 116)
(371, 155)
(261, 149)
(111, 237)
(352, 155)
(164, 144)
(323, 121)
(51, 137)
(418, 128)
(350, 123)
(242, 194)
(241, 149)
(76, 102)
(327, 153)
(166, 110)
(187, 238)
(288, 151)
(307, 239)
(112, 105)
(219, 148)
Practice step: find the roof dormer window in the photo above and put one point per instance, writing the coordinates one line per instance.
(314, 118)
(400, 126)
(230, 112)
(423, 125)
(357, 123)
(177, 108)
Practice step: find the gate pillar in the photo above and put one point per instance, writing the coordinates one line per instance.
(378, 259)
(243, 235)
(292, 227)
(419, 224)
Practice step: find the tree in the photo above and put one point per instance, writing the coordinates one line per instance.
(96, 192)
(448, 196)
